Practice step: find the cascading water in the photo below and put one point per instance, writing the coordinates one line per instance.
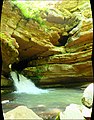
(24, 85)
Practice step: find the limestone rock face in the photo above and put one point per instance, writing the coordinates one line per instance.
(9, 52)
(21, 112)
(57, 43)
(5, 82)
(6, 85)
(49, 75)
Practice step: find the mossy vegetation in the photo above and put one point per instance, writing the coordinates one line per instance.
(6, 38)
(32, 10)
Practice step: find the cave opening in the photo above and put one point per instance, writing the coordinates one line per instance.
(63, 40)
(20, 65)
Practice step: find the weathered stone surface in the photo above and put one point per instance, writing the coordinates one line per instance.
(9, 52)
(72, 112)
(21, 112)
(83, 43)
(61, 49)
(24, 31)
(5, 82)
(49, 75)
(65, 58)
(87, 98)
(6, 85)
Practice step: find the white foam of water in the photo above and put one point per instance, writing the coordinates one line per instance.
(25, 85)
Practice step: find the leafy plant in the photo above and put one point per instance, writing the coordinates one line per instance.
(30, 9)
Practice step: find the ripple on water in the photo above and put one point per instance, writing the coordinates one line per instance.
(54, 99)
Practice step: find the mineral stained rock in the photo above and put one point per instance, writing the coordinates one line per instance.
(57, 43)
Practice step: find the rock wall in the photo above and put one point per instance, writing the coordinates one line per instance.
(58, 52)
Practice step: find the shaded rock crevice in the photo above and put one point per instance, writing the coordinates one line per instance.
(62, 39)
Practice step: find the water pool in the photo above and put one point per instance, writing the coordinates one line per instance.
(54, 98)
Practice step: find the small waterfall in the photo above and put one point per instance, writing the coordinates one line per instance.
(24, 85)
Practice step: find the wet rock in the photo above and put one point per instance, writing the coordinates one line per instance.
(49, 114)
(21, 112)
(6, 85)
(6, 82)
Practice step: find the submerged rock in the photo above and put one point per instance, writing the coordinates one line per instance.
(21, 112)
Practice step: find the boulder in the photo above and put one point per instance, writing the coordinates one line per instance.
(21, 112)
(86, 112)
(87, 98)
(71, 112)
(83, 112)
(87, 101)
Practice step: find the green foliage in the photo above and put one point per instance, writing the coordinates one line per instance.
(57, 117)
(7, 40)
(31, 9)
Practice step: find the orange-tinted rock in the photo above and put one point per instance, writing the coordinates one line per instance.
(9, 52)
(61, 51)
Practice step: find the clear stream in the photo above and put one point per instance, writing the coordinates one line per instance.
(39, 99)
(55, 98)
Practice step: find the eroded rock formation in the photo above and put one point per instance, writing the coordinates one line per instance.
(57, 52)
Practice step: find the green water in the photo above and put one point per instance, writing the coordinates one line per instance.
(55, 98)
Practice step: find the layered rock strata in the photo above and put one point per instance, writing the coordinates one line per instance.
(58, 51)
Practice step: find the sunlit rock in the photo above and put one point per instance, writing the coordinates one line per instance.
(57, 38)
(71, 112)
(86, 112)
(21, 112)
(9, 51)
(87, 98)
(48, 75)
